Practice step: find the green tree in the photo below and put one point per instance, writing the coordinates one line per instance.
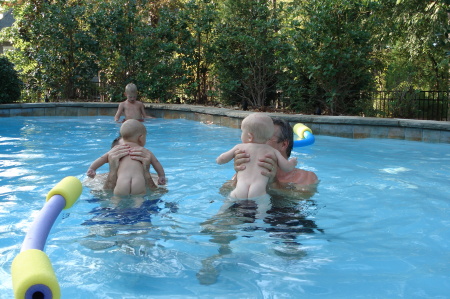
(116, 27)
(11, 86)
(415, 42)
(197, 33)
(162, 71)
(246, 48)
(332, 46)
(137, 42)
(52, 48)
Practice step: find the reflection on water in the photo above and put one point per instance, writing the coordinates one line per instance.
(284, 221)
(123, 223)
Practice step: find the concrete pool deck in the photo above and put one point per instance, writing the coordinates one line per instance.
(339, 126)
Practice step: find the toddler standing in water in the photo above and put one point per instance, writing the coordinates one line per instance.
(257, 129)
(132, 108)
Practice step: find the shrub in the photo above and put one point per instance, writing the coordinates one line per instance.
(11, 86)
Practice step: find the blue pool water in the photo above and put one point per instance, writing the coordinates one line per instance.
(377, 227)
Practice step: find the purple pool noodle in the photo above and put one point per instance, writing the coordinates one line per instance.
(41, 289)
(39, 230)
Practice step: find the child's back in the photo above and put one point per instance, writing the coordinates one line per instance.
(250, 182)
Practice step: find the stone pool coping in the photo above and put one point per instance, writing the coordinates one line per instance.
(340, 126)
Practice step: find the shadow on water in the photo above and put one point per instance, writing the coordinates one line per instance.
(284, 222)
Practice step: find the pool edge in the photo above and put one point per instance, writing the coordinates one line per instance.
(339, 126)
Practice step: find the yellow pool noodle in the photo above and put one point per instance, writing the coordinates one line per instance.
(299, 129)
(70, 188)
(33, 267)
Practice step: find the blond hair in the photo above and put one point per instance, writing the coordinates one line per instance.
(260, 125)
(130, 88)
(131, 130)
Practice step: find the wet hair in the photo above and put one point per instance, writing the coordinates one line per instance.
(286, 133)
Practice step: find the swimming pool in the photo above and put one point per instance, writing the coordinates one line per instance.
(378, 227)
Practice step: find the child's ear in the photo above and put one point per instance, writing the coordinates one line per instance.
(141, 140)
(250, 137)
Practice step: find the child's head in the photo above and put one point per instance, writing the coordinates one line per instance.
(257, 128)
(131, 92)
(133, 131)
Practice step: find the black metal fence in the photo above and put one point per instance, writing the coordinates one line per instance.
(426, 105)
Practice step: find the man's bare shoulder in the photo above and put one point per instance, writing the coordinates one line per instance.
(304, 177)
(299, 177)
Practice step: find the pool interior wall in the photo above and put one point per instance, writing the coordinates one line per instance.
(339, 126)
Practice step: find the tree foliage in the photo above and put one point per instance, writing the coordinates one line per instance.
(332, 49)
(11, 86)
(246, 46)
(301, 54)
(53, 48)
(413, 39)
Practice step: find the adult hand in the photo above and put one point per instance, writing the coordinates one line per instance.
(114, 156)
(117, 153)
(240, 159)
(269, 164)
(143, 155)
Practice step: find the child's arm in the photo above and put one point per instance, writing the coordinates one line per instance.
(143, 112)
(227, 156)
(284, 164)
(96, 165)
(119, 112)
(159, 170)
